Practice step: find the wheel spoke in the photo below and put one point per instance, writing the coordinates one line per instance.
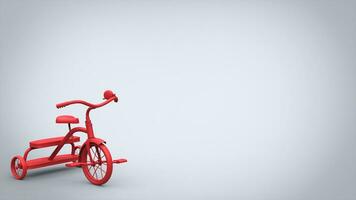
(92, 172)
(98, 153)
(17, 167)
(95, 172)
(97, 166)
(101, 172)
(91, 149)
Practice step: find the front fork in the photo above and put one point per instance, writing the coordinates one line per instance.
(90, 133)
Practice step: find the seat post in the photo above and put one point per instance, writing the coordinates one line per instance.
(69, 127)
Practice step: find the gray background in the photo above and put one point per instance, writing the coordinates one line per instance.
(219, 99)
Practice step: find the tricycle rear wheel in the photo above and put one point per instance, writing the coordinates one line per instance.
(18, 167)
(99, 171)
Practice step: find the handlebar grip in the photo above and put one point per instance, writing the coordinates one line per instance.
(61, 105)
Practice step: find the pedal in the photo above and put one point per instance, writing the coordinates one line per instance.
(118, 161)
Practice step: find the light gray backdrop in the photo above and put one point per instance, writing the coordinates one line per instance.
(250, 100)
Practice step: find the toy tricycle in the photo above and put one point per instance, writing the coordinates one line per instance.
(92, 156)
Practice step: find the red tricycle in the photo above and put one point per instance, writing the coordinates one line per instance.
(92, 156)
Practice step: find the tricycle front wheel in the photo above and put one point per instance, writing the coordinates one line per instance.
(98, 171)
(18, 167)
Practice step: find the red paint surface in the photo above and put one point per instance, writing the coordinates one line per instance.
(94, 157)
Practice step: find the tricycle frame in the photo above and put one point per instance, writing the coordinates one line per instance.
(93, 152)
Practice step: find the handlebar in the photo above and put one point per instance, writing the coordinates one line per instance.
(90, 105)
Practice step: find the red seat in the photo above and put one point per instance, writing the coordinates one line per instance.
(52, 142)
(67, 119)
